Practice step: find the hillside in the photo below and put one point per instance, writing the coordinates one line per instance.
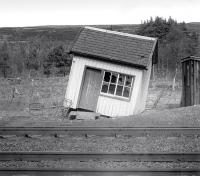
(24, 43)
(196, 28)
(54, 33)
(67, 33)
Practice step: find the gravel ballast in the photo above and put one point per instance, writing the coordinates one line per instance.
(96, 164)
(101, 144)
(180, 117)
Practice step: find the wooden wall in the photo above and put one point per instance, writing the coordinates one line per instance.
(106, 105)
(190, 82)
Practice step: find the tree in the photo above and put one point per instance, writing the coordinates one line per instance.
(155, 28)
(175, 42)
(59, 59)
(4, 59)
(32, 60)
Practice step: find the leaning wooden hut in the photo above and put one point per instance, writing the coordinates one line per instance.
(110, 71)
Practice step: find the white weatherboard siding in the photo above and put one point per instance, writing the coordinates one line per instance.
(141, 102)
(145, 86)
(106, 105)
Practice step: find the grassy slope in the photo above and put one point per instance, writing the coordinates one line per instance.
(195, 26)
(179, 117)
(61, 33)
(66, 33)
(52, 90)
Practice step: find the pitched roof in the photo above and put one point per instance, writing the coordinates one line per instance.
(114, 46)
(190, 58)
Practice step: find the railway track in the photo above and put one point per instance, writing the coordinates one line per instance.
(148, 157)
(104, 131)
(84, 157)
(128, 157)
(99, 172)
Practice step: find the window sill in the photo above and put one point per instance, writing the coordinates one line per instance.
(115, 97)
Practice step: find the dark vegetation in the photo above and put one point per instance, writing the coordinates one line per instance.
(39, 51)
(176, 41)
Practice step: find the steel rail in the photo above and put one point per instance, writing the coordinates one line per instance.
(105, 131)
(98, 172)
(150, 157)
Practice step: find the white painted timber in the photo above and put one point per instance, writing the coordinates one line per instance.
(107, 105)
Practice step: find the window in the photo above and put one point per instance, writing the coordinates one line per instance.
(116, 84)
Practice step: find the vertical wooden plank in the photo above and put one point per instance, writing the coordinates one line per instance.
(183, 84)
(197, 80)
(191, 82)
(194, 80)
(197, 87)
(198, 83)
(187, 98)
(187, 87)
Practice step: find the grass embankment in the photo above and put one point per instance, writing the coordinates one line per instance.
(52, 90)
(48, 91)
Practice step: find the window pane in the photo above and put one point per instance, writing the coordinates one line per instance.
(121, 79)
(112, 89)
(117, 84)
(107, 76)
(114, 78)
(104, 88)
(119, 90)
(126, 92)
(128, 81)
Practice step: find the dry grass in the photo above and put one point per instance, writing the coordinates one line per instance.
(161, 96)
(52, 90)
(48, 91)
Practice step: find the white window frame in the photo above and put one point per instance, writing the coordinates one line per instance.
(114, 95)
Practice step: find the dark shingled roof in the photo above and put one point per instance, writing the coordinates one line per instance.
(134, 50)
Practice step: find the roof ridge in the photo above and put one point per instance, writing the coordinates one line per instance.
(121, 33)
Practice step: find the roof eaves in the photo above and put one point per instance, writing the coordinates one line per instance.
(143, 67)
(190, 58)
(153, 49)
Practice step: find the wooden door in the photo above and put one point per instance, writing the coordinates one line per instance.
(90, 89)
